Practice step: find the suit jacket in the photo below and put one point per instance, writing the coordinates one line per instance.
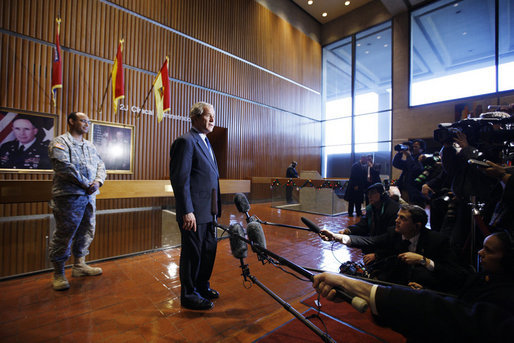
(359, 178)
(446, 274)
(377, 222)
(423, 316)
(193, 175)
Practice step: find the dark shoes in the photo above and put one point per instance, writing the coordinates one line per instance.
(210, 294)
(201, 304)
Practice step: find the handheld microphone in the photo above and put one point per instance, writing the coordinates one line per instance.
(312, 227)
(256, 235)
(238, 247)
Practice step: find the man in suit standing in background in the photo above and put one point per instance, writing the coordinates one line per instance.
(195, 181)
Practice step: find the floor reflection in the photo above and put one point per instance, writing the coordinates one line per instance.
(137, 298)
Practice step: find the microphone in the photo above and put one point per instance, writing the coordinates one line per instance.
(243, 206)
(238, 247)
(312, 227)
(256, 235)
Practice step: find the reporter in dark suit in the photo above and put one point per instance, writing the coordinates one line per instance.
(411, 254)
(194, 175)
(483, 311)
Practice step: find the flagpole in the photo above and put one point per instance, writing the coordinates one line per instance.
(105, 92)
(144, 102)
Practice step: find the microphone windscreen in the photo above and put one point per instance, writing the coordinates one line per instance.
(313, 227)
(214, 202)
(242, 203)
(256, 234)
(238, 247)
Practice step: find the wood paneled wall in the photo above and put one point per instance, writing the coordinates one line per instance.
(262, 75)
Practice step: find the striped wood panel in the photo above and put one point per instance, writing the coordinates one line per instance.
(262, 75)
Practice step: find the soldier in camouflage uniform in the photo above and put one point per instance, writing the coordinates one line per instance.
(27, 151)
(78, 174)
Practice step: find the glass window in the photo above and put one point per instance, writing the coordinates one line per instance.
(506, 45)
(375, 127)
(453, 50)
(373, 70)
(356, 106)
(337, 71)
(338, 131)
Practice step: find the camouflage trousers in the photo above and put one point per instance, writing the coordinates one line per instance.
(75, 226)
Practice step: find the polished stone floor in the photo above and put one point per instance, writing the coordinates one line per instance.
(137, 298)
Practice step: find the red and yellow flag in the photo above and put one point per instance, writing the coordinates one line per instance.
(161, 89)
(118, 87)
(57, 63)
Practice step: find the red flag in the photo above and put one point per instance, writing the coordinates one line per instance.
(161, 88)
(118, 87)
(57, 63)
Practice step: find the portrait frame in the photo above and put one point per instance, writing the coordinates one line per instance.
(34, 158)
(115, 145)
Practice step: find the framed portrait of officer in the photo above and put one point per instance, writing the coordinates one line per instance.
(24, 139)
(115, 144)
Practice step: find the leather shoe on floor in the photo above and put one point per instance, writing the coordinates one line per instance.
(210, 294)
(202, 304)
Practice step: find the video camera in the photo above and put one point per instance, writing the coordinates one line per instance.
(430, 167)
(492, 134)
(487, 128)
(403, 147)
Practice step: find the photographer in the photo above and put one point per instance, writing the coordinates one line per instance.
(410, 165)
(468, 182)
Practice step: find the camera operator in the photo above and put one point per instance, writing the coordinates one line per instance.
(410, 165)
(438, 194)
(467, 182)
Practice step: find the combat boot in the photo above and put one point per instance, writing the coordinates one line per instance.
(80, 268)
(59, 281)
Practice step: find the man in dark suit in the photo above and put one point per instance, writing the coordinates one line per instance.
(411, 254)
(195, 178)
(291, 173)
(483, 311)
(357, 186)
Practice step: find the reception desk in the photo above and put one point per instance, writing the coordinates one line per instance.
(323, 196)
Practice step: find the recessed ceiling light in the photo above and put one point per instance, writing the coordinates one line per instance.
(386, 45)
(324, 14)
(456, 4)
(310, 2)
(464, 33)
(346, 3)
(358, 44)
(378, 37)
(367, 51)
